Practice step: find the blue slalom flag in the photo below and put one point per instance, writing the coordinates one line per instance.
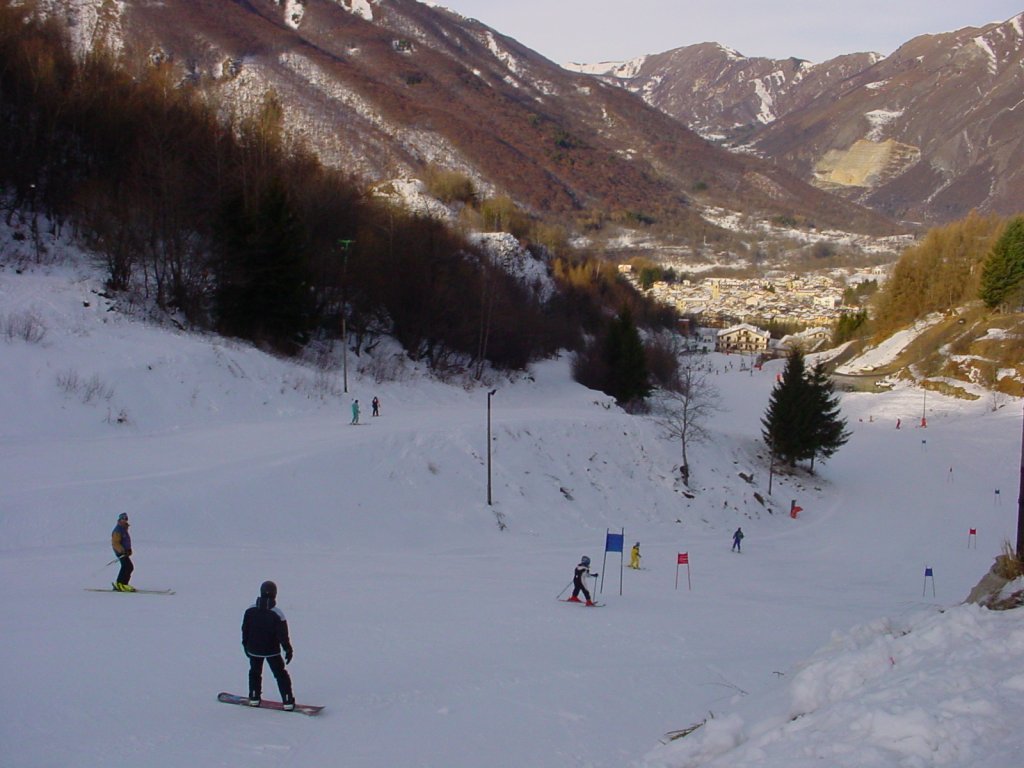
(928, 572)
(613, 542)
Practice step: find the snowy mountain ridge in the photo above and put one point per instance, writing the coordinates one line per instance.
(928, 133)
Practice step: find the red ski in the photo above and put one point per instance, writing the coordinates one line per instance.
(234, 698)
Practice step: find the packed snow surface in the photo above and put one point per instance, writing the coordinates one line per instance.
(432, 635)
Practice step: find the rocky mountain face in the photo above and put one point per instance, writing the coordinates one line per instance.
(385, 89)
(928, 133)
(721, 94)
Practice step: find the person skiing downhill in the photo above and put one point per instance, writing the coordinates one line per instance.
(264, 634)
(736, 539)
(376, 406)
(121, 541)
(355, 412)
(634, 556)
(582, 572)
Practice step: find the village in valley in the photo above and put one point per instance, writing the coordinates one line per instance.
(734, 311)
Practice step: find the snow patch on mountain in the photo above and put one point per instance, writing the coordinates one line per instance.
(501, 54)
(993, 60)
(361, 8)
(507, 253)
(766, 112)
(886, 352)
(620, 69)
(879, 119)
(411, 195)
(293, 12)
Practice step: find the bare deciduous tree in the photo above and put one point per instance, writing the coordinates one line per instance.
(683, 410)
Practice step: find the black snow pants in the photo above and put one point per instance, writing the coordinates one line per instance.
(276, 664)
(577, 587)
(126, 570)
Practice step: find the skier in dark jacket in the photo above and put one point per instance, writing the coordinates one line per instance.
(582, 572)
(736, 539)
(264, 634)
(121, 541)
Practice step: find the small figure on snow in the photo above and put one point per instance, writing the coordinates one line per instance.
(634, 556)
(121, 541)
(376, 406)
(355, 412)
(264, 634)
(582, 572)
(897, 423)
(736, 539)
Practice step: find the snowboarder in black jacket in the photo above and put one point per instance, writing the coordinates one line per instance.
(264, 634)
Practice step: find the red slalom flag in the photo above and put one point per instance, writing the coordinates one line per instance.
(683, 558)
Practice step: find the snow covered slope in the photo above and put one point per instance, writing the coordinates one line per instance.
(432, 635)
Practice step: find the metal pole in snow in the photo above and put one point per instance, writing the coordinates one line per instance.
(1020, 503)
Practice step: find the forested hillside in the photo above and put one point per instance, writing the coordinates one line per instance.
(232, 227)
(962, 286)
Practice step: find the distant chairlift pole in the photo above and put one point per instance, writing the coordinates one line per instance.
(345, 245)
(489, 396)
(1020, 502)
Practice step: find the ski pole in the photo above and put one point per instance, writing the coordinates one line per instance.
(107, 565)
(559, 595)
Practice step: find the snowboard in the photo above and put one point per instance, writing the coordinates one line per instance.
(234, 698)
(136, 592)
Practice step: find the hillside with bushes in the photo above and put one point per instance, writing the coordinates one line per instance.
(229, 226)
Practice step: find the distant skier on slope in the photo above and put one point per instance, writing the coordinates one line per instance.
(355, 412)
(264, 634)
(121, 541)
(736, 539)
(582, 572)
(634, 557)
(376, 406)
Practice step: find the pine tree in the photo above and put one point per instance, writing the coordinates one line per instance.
(628, 379)
(803, 421)
(828, 427)
(1002, 277)
(261, 278)
(786, 425)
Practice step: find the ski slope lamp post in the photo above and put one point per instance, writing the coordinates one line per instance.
(489, 396)
(1020, 502)
(345, 245)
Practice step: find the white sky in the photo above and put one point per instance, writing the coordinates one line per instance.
(589, 31)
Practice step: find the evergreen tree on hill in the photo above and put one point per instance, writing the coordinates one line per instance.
(828, 427)
(626, 361)
(803, 421)
(787, 425)
(1002, 278)
(261, 273)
